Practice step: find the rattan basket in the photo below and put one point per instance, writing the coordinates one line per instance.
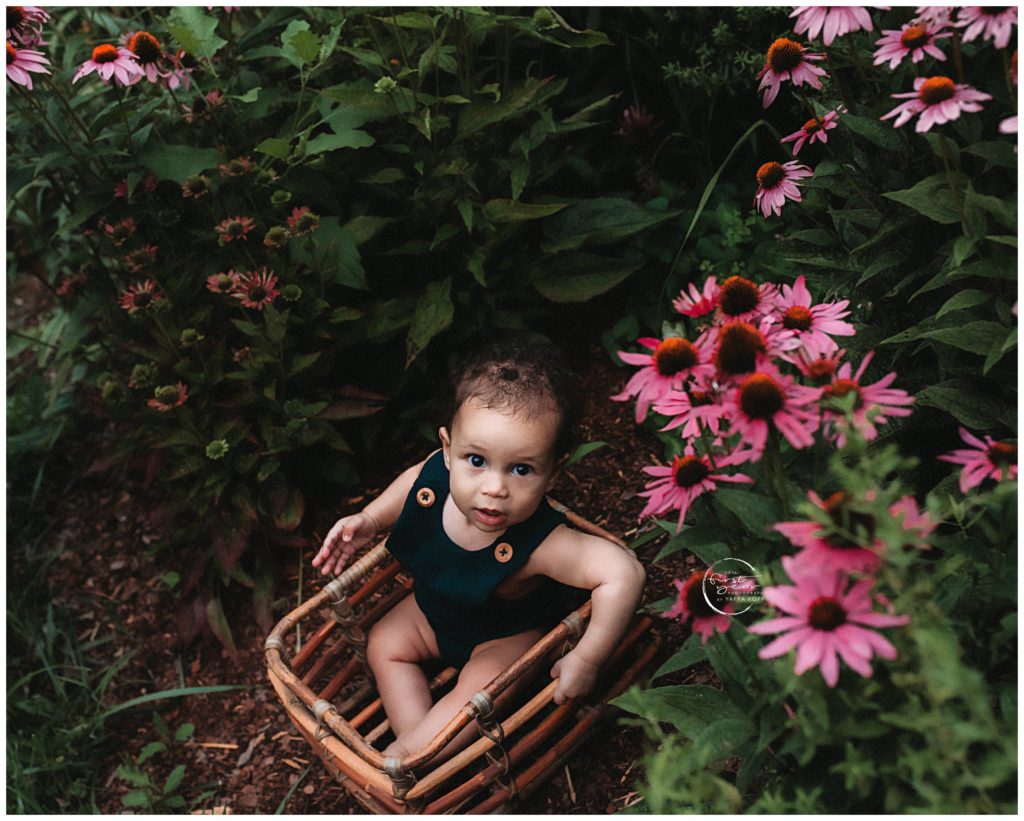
(329, 694)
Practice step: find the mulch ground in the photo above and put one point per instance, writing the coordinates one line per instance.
(243, 748)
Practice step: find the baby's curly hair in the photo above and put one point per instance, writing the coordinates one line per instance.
(522, 377)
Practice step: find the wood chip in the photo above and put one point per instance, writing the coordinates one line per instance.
(276, 736)
(568, 780)
(217, 744)
(291, 763)
(243, 759)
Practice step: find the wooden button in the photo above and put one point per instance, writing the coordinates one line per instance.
(503, 552)
(425, 496)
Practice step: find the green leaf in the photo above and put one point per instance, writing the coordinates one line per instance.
(685, 707)
(385, 176)
(267, 469)
(218, 623)
(176, 162)
(480, 115)
(689, 654)
(499, 210)
(335, 255)
(975, 337)
(758, 513)
(299, 45)
(151, 749)
(881, 134)
(579, 276)
(999, 349)
(194, 30)
(249, 97)
(584, 450)
(133, 775)
(434, 313)
(333, 142)
(174, 779)
(997, 152)
(365, 227)
(930, 197)
(1004, 210)
(303, 361)
(963, 401)
(135, 798)
(600, 220)
(965, 299)
(465, 208)
(184, 732)
(275, 147)
(330, 42)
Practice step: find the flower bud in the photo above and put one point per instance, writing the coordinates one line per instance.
(291, 293)
(217, 449)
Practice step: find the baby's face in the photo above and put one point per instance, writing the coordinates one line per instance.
(500, 463)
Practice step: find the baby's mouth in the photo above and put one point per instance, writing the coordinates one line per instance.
(489, 516)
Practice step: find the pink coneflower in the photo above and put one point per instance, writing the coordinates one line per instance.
(917, 525)
(111, 61)
(777, 182)
(121, 187)
(697, 303)
(139, 296)
(21, 62)
(914, 39)
(148, 52)
(25, 24)
(223, 283)
(196, 186)
(936, 16)
(839, 547)
(256, 289)
(990, 22)
(140, 258)
(814, 130)
(690, 602)
(180, 73)
(234, 228)
(982, 460)
(739, 345)
(202, 108)
(637, 126)
(238, 167)
(167, 397)
(815, 361)
(817, 322)
(826, 622)
(302, 221)
(1009, 125)
(938, 100)
(671, 362)
(788, 60)
(693, 408)
(70, 285)
(768, 399)
(831, 21)
(688, 477)
(877, 400)
(121, 232)
(742, 299)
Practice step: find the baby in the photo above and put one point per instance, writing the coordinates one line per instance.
(494, 565)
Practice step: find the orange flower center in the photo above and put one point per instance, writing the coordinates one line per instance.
(234, 229)
(15, 16)
(784, 55)
(257, 292)
(1003, 453)
(12, 55)
(842, 387)
(739, 344)
(770, 174)
(826, 613)
(145, 46)
(738, 296)
(913, 37)
(673, 355)
(693, 595)
(797, 318)
(104, 54)
(225, 283)
(688, 471)
(698, 398)
(760, 396)
(935, 90)
(812, 125)
(142, 299)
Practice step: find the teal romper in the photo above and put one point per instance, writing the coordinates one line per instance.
(454, 587)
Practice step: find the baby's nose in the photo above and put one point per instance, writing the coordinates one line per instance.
(494, 485)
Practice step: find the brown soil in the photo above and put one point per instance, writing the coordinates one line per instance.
(243, 748)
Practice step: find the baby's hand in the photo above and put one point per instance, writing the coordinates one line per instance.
(346, 537)
(576, 677)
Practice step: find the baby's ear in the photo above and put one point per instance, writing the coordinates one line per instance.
(446, 446)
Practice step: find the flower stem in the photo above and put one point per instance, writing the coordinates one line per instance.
(773, 460)
(707, 446)
(947, 162)
(958, 60)
(56, 132)
(839, 82)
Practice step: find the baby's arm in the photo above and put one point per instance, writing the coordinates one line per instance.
(352, 532)
(616, 580)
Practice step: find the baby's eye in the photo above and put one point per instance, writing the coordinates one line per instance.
(476, 460)
(522, 470)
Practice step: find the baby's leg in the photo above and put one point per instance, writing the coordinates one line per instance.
(396, 646)
(487, 661)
